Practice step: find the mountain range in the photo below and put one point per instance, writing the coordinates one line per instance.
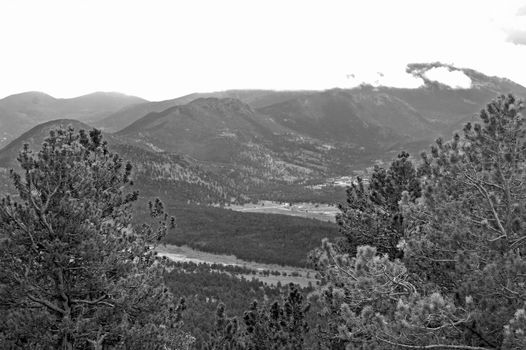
(237, 144)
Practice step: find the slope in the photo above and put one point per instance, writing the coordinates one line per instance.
(173, 176)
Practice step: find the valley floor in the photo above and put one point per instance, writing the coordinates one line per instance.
(322, 212)
(287, 274)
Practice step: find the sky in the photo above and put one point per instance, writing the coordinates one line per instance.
(164, 49)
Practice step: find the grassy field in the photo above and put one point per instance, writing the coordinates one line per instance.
(322, 212)
(186, 254)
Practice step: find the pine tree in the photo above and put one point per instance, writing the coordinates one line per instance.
(74, 273)
(467, 239)
(371, 215)
(226, 335)
(279, 326)
(461, 283)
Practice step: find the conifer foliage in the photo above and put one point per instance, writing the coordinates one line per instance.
(74, 273)
(371, 215)
(461, 281)
(279, 326)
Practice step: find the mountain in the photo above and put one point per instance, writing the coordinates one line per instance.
(441, 103)
(21, 112)
(172, 176)
(415, 113)
(195, 127)
(260, 151)
(92, 107)
(273, 141)
(270, 144)
(366, 118)
(127, 115)
(34, 138)
(226, 136)
(255, 98)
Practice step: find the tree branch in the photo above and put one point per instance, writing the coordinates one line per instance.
(485, 194)
(46, 303)
(93, 302)
(434, 346)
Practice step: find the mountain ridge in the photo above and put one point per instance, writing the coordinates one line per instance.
(172, 176)
(20, 112)
(259, 143)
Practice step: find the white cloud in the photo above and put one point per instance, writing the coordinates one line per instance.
(454, 79)
(521, 11)
(517, 37)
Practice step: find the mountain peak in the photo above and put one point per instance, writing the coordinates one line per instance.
(113, 94)
(33, 97)
(111, 97)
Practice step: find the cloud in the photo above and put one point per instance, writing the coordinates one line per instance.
(455, 79)
(390, 77)
(521, 11)
(518, 37)
(515, 27)
(437, 72)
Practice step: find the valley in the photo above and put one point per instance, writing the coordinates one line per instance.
(269, 274)
(322, 212)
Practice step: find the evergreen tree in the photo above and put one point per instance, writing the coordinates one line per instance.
(74, 273)
(371, 215)
(467, 238)
(280, 326)
(461, 283)
(227, 335)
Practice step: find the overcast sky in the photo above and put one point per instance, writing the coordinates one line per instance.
(164, 49)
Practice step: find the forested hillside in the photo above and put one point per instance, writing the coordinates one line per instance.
(175, 177)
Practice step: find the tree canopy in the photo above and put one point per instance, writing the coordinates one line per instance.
(371, 214)
(279, 326)
(74, 273)
(461, 281)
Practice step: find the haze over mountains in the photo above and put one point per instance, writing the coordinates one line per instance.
(20, 112)
(254, 143)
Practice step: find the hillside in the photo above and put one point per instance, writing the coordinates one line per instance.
(176, 178)
(34, 138)
(21, 112)
(340, 116)
(256, 151)
(172, 176)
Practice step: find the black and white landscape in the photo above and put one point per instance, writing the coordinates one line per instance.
(381, 210)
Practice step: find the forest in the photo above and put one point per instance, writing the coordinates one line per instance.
(427, 254)
(265, 238)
